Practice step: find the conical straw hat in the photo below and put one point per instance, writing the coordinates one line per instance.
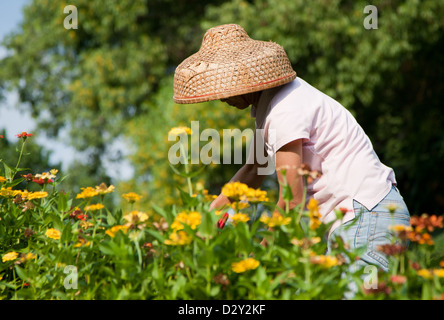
(230, 63)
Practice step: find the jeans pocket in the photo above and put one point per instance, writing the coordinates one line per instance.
(380, 234)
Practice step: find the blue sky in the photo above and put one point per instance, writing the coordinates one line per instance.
(15, 121)
(10, 118)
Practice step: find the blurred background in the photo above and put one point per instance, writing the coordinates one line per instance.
(98, 98)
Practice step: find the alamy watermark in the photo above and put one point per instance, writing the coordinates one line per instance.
(371, 21)
(70, 281)
(371, 278)
(71, 20)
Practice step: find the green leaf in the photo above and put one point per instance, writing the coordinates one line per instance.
(21, 273)
(156, 235)
(207, 225)
(9, 171)
(167, 215)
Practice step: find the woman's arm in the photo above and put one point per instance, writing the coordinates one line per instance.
(289, 157)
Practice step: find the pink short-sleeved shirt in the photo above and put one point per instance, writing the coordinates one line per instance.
(333, 143)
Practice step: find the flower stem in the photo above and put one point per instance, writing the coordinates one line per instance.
(187, 170)
(21, 153)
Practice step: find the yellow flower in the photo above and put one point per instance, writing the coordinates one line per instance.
(85, 224)
(239, 217)
(324, 261)
(424, 273)
(36, 195)
(87, 193)
(240, 191)
(53, 233)
(132, 197)
(135, 217)
(104, 189)
(2, 179)
(305, 243)
(244, 265)
(178, 239)
(113, 231)
(27, 256)
(239, 205)
(82, 242)
(209, 197)
(315, 216)
(8, 192)
(94, 207)
(401, 228)
(192, 219)
(275, 220)
(439, 273)
(255, 195)
(10, 256)
(179, 130)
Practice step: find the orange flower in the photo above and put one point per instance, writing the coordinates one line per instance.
(24, 135)
(427, 222)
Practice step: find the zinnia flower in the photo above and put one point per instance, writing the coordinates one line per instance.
(10, 256)
(275, 220)
(24, 135)
(192, 219)
(104, 189)
(132, 197)
(315, 216)
(27, 257)
(239, 217)
(53, 234)
(94, 207)
(240, 191)
(82, 242)
(244, 265)
(424, 273)
(179, 238)
(427, 222)
(305, 243)
(36, 195)
(398, 279)
(179, 130)
(135, 217)
(87, 193)
(113, 231)
(324, 261)
(46, 175)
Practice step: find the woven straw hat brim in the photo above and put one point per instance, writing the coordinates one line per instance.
(229, 63)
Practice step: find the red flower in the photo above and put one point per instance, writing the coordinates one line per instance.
(223, 220)
(398, 279)
(82, 217)
(1, 137)
(42, 181)
(24, 135)
(28, 177)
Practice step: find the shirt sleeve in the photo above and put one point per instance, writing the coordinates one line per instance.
(287, 121)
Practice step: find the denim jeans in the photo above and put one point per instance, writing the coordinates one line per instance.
(371, 228)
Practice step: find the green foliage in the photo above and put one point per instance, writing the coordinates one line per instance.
(50, 252)
(113, 76)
